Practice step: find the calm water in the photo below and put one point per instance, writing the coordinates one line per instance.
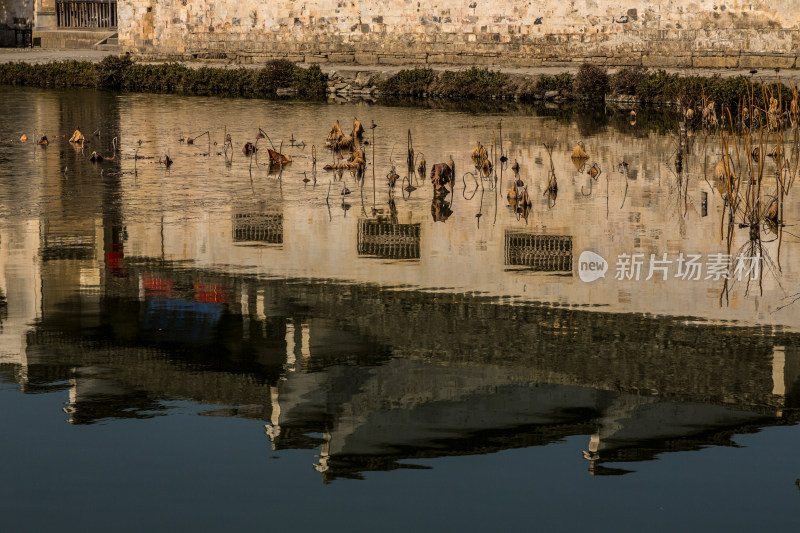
(222, 345)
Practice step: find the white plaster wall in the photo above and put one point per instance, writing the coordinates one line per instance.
(453, 31)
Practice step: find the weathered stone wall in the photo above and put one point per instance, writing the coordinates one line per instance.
(690, 33)
(12, 12)
(15, 9)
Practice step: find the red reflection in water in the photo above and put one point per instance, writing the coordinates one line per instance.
(213, 294)
(156, 286)
(115, 260)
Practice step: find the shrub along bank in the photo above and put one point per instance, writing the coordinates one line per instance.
(122, 73)
(590, 82)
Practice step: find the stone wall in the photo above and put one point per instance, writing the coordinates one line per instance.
(12, 10)
(687, 33)
(13, 13)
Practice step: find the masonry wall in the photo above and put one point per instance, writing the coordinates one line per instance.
(689, 33)
(15, 9)
(11, 12)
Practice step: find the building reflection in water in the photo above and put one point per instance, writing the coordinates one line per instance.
(370, 378)
(124, 306)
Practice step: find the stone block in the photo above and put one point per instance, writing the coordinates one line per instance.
(341, 57)
(715, 61)
(628, 60)
(365, 58)
(661, 61)
(767, 61)
(316, 58)
(392, 59)
(555, 62)
(363, 78)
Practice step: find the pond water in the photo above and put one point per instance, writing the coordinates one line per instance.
(221, 344)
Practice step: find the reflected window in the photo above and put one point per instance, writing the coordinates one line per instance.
(380, 238)
(258, 227)
(540, 253)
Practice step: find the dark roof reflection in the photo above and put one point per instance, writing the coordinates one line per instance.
(374, 378)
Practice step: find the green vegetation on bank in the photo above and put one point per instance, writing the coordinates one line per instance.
(122, 73)
(590, 83)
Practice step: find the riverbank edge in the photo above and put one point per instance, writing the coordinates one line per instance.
(628, 85)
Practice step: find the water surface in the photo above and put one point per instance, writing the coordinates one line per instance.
(219, 344)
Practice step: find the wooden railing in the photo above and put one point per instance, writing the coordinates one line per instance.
(86, 13)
